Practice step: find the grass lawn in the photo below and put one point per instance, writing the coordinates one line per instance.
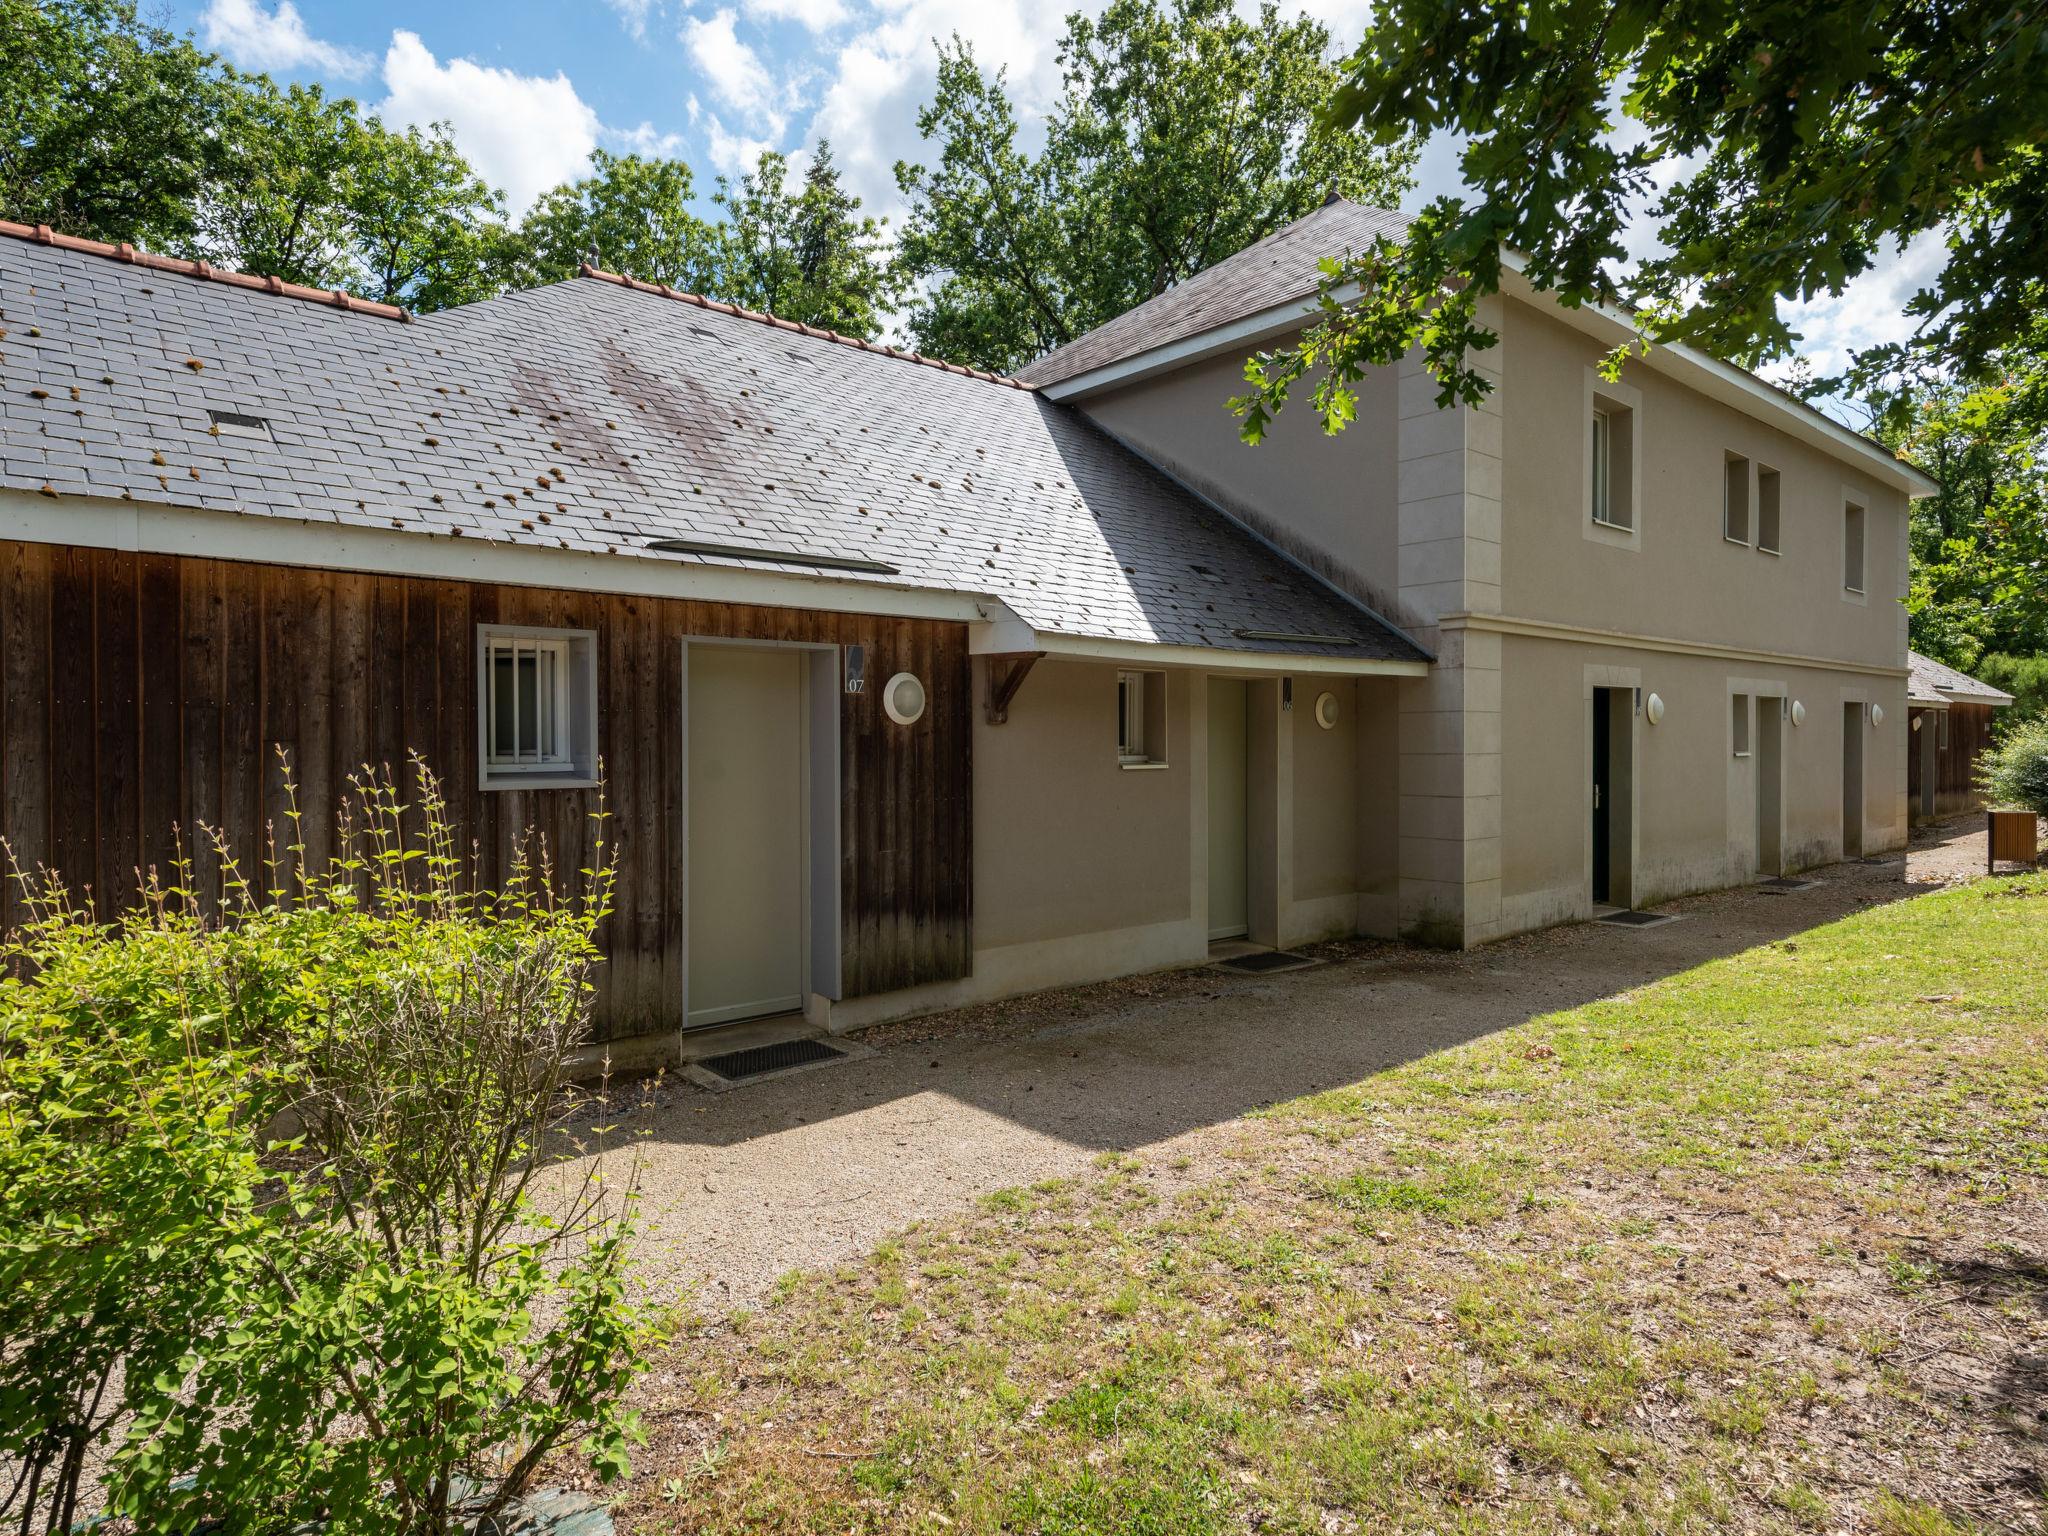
(1761, 1246)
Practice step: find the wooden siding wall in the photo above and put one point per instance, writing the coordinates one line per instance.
(139, 693)
(1970, 728)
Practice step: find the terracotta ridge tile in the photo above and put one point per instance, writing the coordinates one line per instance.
(663, 290)
(42, 234)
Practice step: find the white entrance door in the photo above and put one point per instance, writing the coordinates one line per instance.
(745, 859)
(1229, 915)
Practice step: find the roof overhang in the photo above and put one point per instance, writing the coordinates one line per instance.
(94, 522)
(1250, 331)
(1005, 634)
(1732, 386)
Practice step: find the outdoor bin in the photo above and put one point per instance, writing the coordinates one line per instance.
(2013, 839)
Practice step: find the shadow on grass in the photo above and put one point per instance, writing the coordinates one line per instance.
(1124, 1065)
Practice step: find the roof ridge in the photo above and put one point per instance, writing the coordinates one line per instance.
(663, 290)
(335, 298)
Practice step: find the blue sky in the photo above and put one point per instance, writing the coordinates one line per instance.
(530, 89)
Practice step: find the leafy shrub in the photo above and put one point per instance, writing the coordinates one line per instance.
(278, 1231)
(2024, 677)
(2014, 773)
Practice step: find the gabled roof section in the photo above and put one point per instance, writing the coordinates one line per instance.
(1280, 268)
(1267, 290)
(1929, 682)
(600, 418)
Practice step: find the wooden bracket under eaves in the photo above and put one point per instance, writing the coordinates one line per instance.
(1005, 676)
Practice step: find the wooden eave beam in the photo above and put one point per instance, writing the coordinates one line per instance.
(1006, 674)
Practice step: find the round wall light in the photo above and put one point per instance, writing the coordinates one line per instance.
(1877, 714)
(903, 699)
(1798, 713)
(1326, 711)
(1653, 707)
(1918, 722)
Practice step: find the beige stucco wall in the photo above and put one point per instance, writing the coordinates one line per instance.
(1326, 846)
(1084, 869)
(1065, 840)
(1329, 500)
(1679, 578)
(1695, 806)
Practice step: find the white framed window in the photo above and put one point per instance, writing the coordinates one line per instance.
(1603, 465)
(1738, 723)
(1613, 481)
(1769, 526)
(1141, 719)
(1853, 521)
(1735, 499)
(536, 707)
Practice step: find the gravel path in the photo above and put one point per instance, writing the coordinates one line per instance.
(805, 1170)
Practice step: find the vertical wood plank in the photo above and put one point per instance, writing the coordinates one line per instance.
(245, 683)
(159, 620)
(201, 652)
(73, 831)
(25, 695)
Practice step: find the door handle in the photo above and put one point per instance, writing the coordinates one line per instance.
(1596, 797)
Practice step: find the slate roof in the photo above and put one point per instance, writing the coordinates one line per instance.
(1277, 269)
(597, 416)
(1929, 682)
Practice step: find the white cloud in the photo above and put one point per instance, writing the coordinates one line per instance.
(633, 15)
(1871, 308)
(275, 41)
(813, 15)
(645, 140)
(884, 74)
(523, 133)
(734, 71)
(732, 154)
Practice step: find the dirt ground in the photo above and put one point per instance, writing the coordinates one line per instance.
(807, 1170)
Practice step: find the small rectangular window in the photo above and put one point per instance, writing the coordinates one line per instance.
(1735, 499)
(1602, 467)
(536, 707)
(1852, 548)
(1738, 723)
(1613, 460)
(1767, 525)
(1141, 719)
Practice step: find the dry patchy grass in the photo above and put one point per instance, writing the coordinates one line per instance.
(1761, 1247)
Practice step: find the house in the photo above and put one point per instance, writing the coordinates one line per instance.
(910, 685)
(1950, 716)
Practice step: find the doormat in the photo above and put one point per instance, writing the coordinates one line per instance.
(1638, 919)
(760, 1060)
(1785, 883)
(1268, 960)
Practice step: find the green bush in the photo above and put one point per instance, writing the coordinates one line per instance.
(278, 1240)
(2024, 677)
(2014, 773)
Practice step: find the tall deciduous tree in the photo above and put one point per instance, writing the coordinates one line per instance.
(634, 213)
(1184, 133)
(807, 255)
(108, 125)
(1778, 148)
(280, 205)
(1980, 545)
(428, 232)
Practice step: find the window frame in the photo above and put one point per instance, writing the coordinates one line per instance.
(1736, 483)
(1611, 462)
(1602, 490)
(1140, 718)
(1741, 732)
(565, 752)
(1856, 520)
(1770, 509)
